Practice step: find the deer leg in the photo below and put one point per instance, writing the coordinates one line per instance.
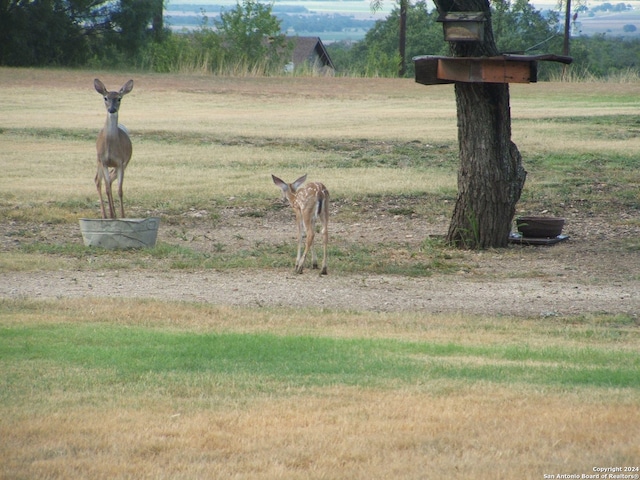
(120, 180)
(299, 254)
(307, 246)
(325, 240)
(314, 257)
(107, 186)
(98, 181)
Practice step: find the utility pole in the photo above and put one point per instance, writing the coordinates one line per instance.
(567, 35)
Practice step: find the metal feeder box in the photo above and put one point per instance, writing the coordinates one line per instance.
(463, 26)
(120, 233)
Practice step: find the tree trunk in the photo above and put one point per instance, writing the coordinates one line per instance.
(157, 22)
(491, 175)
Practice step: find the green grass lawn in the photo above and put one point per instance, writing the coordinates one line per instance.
(128, 355)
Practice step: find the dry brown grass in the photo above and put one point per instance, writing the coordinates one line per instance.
(483, 432)
(211, 111)
(534, 332)
(219, 114)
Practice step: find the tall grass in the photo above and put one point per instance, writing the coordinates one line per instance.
(571, 75)
(202, 54)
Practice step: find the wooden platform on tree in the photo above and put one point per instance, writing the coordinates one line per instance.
(433, 70)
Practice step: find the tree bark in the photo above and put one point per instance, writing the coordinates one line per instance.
(491, 175)
(157, 22)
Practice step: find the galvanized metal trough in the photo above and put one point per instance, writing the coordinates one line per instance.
(120, 233)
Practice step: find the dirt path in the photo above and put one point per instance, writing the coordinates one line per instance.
(528, 297)
(596, 271)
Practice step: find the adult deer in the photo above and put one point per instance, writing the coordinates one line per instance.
(113, 146)
(309, 203)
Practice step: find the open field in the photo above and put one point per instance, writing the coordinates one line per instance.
(206, 357)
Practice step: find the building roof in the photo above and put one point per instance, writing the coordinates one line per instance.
(307, 49)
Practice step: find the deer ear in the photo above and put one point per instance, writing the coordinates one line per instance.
(283, 185)
(126, 88)
(99, 86)
(299, 181)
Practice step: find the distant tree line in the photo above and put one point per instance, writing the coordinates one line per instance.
(130, 33)
(249, 38)
(74, 32)
(609, 7)
(518, 28)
